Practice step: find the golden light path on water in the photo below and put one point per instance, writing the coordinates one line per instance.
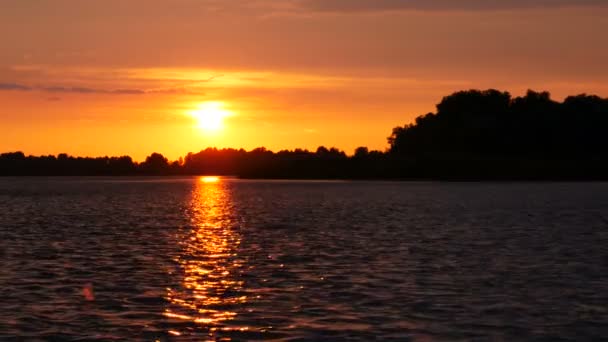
(209, 262)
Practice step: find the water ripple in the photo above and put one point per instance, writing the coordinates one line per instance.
(185, 259)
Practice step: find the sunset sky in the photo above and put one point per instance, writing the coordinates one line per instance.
(116, 77)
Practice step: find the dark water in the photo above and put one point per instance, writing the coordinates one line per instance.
(183, 259)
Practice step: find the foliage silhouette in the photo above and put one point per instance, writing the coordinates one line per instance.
(488, 134)
(474, 134)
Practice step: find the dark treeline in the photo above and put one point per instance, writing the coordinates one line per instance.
(472, 135)
(324, 163)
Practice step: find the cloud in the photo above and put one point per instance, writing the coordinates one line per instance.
(84, 90)
(129, 91)
(81, 90)
(71, 90)
(14, 86)
(442, 5)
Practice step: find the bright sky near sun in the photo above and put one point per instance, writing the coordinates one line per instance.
(118, 77)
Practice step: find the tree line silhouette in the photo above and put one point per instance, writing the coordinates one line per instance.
(473, 134)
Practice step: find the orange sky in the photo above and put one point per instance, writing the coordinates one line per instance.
(118, 77)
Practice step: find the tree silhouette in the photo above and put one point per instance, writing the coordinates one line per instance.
(490, 133)
(474, 134)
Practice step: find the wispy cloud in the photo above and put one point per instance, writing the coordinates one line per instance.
(14, 86)
(441, 5)
(83, 90)
(86, 90)
(346, 6)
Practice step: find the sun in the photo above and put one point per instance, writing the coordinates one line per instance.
(210, 115)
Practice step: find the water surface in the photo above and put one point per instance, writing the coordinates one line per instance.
(194, 259)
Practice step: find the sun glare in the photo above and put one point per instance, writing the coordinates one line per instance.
(210, 179)
(210, 115)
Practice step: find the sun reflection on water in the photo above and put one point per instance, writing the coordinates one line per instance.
(210, 179)
(210, 290)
